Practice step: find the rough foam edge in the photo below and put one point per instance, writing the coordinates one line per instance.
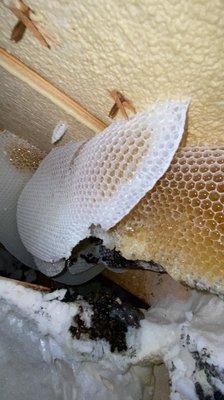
(172, 332)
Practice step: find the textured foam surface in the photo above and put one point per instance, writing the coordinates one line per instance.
(18, 159)
(97, 182)
(148, 49)
(180, 223)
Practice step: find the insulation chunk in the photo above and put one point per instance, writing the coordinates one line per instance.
(97, 182)
(36, 338)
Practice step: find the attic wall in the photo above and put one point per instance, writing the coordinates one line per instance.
(147, 49)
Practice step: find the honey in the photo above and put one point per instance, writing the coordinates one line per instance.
(180, 223)
(24, 156)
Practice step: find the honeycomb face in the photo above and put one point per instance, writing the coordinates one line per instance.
(180, 223)
(97, 182)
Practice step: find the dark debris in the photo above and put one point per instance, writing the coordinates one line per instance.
(110, 320)
(211, 371)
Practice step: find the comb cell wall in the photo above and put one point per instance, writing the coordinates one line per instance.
(180, 223)
(97, 182)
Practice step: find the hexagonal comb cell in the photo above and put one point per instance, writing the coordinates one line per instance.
(180, 223)
(97, 182)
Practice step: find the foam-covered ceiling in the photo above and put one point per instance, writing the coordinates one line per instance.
(147, 49)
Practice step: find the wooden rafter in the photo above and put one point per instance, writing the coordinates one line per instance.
(42, 86)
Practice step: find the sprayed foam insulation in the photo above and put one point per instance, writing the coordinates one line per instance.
(32, 117)
(97, 182)
(149, 50)
(185, 336)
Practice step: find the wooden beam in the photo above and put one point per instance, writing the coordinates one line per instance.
(42, 86)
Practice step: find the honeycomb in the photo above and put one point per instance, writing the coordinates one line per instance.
(97, 182)
(180, 222)
(24, 156)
